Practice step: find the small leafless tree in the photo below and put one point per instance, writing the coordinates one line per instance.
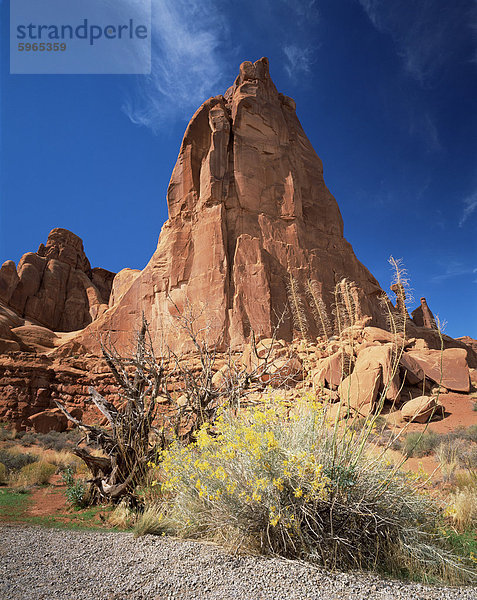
(142, 380)
(131, 440)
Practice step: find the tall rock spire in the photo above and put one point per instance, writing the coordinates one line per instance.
(248, 209)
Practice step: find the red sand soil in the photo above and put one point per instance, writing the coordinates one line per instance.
(47, 501)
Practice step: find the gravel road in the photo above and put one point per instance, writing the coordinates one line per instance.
(46, 563)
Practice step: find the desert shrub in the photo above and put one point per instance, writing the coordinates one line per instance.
(3, 474)
(421, 444)
(5, 434)
(37, 473)
(14, 461)
(58, 440)
(28, 438)
(457, 453)
(470, 433)
(75, 489)
(296, 485)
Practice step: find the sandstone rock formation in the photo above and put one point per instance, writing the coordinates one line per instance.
(252, 230)
(248, 207)
(423, 317)
(56, 287)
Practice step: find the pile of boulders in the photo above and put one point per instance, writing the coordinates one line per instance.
(367, 369)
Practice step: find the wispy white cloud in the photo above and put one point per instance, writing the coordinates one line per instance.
(187, 61)
(424, 127)
(428, 34)
(470, 206)
(454, 269)
(192, 50)
(298, 59)
(301, 52)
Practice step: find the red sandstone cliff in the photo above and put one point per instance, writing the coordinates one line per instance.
(248, 206)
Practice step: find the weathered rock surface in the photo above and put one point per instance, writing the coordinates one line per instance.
(249, 216)
(468, 341)
(332, 370)
(29, 384)
(55, 287)
(448, 368)
(247, 207)
(121, 284)
(421, 409)
(49, 420)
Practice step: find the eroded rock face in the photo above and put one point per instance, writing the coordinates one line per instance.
(55, 287)
(248, 206)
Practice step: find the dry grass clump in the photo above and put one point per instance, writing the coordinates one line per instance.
(150, 521)
(3, 474)
(288, 482)
(462, 508)
(122, 516)
(37, 473)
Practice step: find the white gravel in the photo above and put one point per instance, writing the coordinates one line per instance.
(40, 563)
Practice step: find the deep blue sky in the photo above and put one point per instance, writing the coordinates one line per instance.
(386, 92)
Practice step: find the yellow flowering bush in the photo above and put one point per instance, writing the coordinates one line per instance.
(283, 480)
(239, 473)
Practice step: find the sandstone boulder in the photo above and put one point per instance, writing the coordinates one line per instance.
(386, 356)
(36, 338)
(448, 368)
(411, 370)
(283, 372)
(332, 370)
(359, 390)
(377, 335)
(468, 341)
(49, 420)
(421, 409)
(8, 345)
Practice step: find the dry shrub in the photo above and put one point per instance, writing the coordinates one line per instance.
(14, 459)
(37, 473)
(287, 482)
(3, 474)
(122, 516)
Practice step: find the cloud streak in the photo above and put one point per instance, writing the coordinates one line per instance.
(454, 269)
(470, 206)
(187, 62)
(428, 34)
(193, 46)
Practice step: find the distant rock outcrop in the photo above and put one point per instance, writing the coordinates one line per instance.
(56, 287)
(423, 317)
